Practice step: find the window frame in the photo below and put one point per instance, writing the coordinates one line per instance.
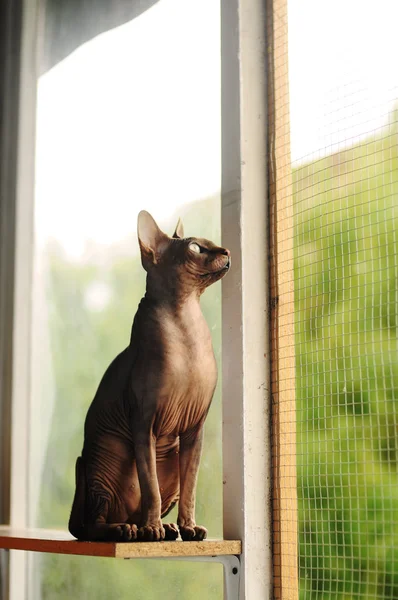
(245, 304)
(23, 264)
(10, 30)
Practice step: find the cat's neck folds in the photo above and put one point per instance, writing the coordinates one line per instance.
(171, 303)
(171, 296)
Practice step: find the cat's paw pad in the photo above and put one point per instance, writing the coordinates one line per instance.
(193, 534)
(151, 533)
(171, 531)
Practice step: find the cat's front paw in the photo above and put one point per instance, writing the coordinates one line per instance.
(196, 533)
(151, 533)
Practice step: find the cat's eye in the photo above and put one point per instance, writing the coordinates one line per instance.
(195, 247)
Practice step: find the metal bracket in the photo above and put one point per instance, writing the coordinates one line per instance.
(231, 564)
(4, 573)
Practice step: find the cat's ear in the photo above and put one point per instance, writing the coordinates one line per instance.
(179, 230)
(151, 239)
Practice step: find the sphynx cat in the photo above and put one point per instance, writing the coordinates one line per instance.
(144, 429)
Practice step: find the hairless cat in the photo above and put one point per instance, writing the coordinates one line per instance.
(144, 429)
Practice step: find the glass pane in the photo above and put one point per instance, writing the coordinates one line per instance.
(128, 120)
(344, 126)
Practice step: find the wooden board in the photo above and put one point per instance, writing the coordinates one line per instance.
(60, 542)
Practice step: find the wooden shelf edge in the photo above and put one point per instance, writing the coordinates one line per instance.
(61, 542)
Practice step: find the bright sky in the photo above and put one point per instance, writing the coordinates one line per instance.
(343, 71)
(131, 119)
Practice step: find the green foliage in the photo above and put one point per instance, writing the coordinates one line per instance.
(84, 338)
(346, 277)
(346, 269)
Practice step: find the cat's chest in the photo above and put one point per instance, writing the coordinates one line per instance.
(187, 348)
(189, 376)
(189, 365)
(184, 400)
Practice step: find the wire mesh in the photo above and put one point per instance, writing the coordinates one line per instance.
(343, 150)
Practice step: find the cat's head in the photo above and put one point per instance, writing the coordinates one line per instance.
(176, 263)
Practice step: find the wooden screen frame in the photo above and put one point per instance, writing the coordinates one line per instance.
(285, 507)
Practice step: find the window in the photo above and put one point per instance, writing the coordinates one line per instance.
(66, 283)
(128, 120)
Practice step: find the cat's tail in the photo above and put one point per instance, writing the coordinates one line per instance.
(76, 521)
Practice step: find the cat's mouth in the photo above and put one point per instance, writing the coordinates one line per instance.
(226, 267)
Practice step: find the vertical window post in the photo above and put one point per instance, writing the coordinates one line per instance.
(246, 379)
(22, 288)
(10, 25)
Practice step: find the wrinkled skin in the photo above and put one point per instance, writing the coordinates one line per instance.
(144, 429)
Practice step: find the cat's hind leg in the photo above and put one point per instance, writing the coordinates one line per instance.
(93, 527)
(106, 519)
(76, 520)
(170, 532)
(111, 532)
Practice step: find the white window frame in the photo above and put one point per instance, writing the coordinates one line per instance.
(245, 304)
(24, 226)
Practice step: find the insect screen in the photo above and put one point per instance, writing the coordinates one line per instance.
(334, 156)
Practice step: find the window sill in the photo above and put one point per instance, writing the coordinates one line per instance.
(60, 542)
